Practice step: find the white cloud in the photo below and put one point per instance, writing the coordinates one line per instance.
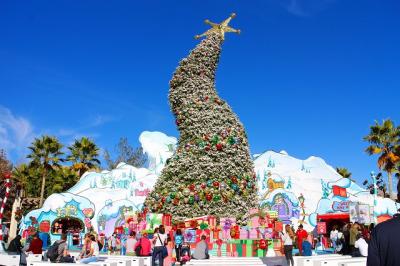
(100, 120)
(16, 132)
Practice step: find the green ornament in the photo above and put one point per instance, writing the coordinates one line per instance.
(217, 197)
(231, 140)
(191, 200)
(202, 144)
(172, 195)
(215, 140)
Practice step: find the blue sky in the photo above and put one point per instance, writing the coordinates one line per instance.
(306, 76)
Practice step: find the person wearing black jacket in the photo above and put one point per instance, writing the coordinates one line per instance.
(383, 249)
(15, 246)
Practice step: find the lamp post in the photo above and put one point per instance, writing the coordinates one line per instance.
(373, 176)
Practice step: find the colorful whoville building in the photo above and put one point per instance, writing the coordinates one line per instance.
(297, 191)
(308, 191)
(103, 201)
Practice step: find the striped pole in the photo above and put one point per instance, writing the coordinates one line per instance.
(7, 184)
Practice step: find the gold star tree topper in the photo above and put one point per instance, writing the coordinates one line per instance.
(219, 28)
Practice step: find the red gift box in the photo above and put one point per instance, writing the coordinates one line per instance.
(200, 232)
(235, 232)
(167, 219)
(278, 226)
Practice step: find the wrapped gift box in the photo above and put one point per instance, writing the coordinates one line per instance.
(254, 233)
(208, 219)
(205, 232)
(244, 248)
(244, 233)
(167, 219)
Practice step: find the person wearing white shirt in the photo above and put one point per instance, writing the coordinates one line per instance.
(334, 237)
(287, 239)
(93, 255)
(362, 247)
(160, 240)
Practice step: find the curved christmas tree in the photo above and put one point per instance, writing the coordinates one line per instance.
(211, 172)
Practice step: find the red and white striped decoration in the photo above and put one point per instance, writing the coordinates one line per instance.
(3, 204)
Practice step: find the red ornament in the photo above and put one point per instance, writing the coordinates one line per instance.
(234, 179)
(7, 175)
(163, 199)
(176, 201)
(177, 122)
(203, 185)
(216, 184)
(208, 197)
(192, 187)
(219, 146)
(208, 147)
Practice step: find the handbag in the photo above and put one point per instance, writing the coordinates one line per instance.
(164, 248)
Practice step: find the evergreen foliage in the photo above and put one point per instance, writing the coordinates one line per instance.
(211, 172)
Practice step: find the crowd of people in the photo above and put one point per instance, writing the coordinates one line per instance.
(351, 239)
(135, 244)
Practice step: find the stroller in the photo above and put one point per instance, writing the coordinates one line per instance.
(185, 254)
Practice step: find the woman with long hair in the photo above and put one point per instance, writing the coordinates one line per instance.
(287, 238)
(178, 239)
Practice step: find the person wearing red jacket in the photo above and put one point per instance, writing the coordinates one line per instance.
(301, 234)
(145, 246)
(36, 245)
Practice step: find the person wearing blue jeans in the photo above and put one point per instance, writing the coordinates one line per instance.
(89, 259)
(93, 255)
(160, 240)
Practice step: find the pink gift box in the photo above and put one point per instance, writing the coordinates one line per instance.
(244, 234)
(253, 234)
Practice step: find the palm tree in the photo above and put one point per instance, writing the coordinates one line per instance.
(22, 177)
(84, 153)
(385, 140)
(46, 155)
(344, 172)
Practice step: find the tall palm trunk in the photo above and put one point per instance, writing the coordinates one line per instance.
(43, 186)
(390, 185)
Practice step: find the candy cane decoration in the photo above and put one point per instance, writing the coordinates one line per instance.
(3, 204)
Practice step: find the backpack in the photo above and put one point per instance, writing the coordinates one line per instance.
(100, 245)
(138, 249)
(52, 252)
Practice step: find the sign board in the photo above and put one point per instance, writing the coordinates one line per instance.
(360, 213)
(321, 228)
(341, 206)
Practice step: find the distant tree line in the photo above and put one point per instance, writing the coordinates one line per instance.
(53, 168)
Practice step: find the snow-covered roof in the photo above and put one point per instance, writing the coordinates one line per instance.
(277, 179)
(59, 200)
(286, 194)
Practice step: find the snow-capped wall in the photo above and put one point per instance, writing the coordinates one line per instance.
(110, 194)
(316, 184)
(297, 189)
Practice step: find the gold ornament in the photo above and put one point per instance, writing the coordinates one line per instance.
(219, 28)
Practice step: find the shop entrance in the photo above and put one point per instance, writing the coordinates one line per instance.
(69, 225)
